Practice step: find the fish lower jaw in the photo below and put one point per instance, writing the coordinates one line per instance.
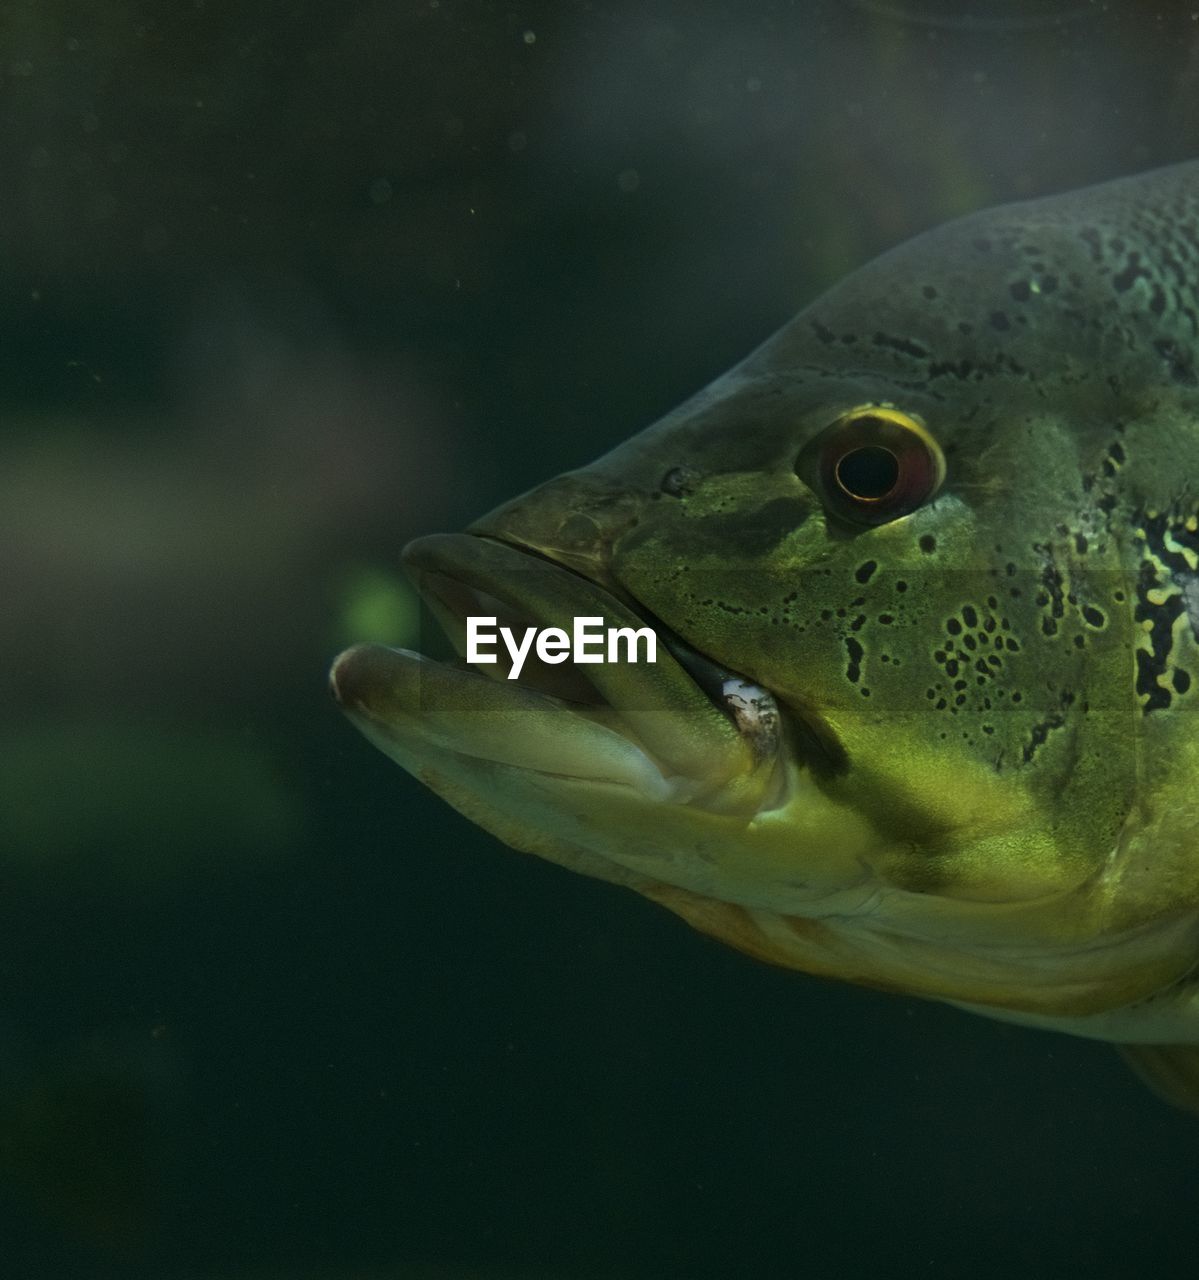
(420, 712)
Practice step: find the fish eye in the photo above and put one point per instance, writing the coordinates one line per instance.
(873, 465)
(867, 473)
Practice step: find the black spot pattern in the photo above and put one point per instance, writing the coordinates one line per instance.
(1167, 589)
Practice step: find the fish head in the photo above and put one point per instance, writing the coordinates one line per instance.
(893, 732)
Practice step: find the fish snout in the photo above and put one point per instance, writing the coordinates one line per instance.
(573, 519)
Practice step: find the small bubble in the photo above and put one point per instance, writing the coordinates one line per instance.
(855, 110)
(155, 239)
(381, 191)
(517, 141)
(530, 37)
(628, 180)
(753, 85)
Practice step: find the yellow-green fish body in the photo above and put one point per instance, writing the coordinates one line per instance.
(925, 573)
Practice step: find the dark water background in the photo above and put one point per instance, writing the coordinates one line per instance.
(283, 284)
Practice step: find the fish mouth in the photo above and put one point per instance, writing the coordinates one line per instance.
(681, 727)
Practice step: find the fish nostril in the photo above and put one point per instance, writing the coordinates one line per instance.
(678, 482)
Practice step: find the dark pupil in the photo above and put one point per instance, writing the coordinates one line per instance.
(869, 472)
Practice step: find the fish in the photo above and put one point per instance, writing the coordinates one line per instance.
(924, 570)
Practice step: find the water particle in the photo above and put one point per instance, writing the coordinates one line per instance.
(628, 180)
(381, 191)
(530, 37)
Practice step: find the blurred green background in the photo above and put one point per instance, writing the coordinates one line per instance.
(283, 284)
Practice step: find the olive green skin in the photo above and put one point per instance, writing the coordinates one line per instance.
(991, 741)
